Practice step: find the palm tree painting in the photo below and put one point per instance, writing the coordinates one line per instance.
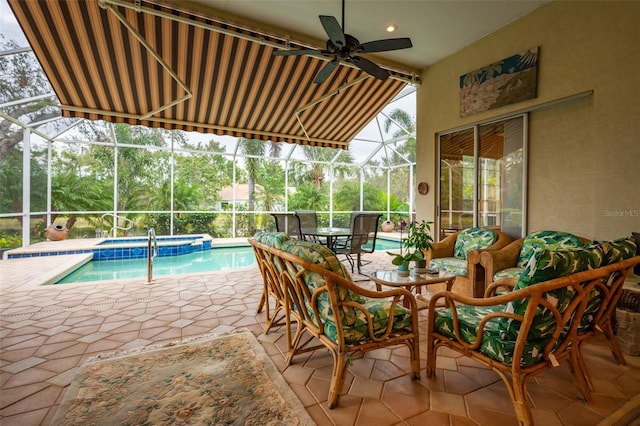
(506, 82)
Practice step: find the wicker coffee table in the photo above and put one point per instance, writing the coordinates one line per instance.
(413, 281)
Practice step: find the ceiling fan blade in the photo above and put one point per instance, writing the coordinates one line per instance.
(326, 71)
(385, 45)
(370, 68)
(333, 30)
(296, 52)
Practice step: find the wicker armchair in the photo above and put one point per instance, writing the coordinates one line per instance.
(327, 305)
(533, 328)
(459, 253)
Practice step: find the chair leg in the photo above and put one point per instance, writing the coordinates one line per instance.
(431, 356)
(414, 347)
(520, 400)
(580, 374)
(293, 343)
(607, 330)
(350, 260)
(263, 299)
(337, 378)
(583, 365)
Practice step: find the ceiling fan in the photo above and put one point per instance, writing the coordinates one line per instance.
(345, 47)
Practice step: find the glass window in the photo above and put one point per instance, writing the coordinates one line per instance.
(483, 163)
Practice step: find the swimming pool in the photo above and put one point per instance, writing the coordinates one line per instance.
(214, 259)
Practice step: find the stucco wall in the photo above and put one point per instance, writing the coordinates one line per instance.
(584, 155)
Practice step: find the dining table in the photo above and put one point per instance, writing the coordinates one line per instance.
(330, 234)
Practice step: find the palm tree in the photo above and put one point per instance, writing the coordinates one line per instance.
(405, 126)
(319, 157)
(252, 148)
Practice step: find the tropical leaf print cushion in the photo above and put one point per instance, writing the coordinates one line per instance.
(616, 250)
(450, 264)
(473, 239)
(541, 240)
(493, 343)
(273, 239)
(549, 265)
(354, 321)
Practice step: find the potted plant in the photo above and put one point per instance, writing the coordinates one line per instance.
(402, 259)
(419, 239)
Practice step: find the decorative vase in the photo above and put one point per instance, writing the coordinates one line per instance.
(56, 232)
(403, 269)
(387, 226)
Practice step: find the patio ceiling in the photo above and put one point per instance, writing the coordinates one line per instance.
(150, 64)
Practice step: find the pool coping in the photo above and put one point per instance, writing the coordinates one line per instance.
(97, 246)
(30, 273)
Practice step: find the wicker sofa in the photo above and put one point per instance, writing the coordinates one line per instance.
(312, 287)
(459, 253)
(554, 307)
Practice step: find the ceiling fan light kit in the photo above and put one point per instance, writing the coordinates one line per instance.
(344, 47)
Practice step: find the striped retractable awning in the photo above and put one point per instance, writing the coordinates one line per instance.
(149, 64)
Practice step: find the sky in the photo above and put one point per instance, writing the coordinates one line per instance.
(8, 25)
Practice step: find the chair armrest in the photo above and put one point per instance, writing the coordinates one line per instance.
(442, 248)
(473, 257)
(454, 300)
(507, 284)
(373, 294)
(497, 260)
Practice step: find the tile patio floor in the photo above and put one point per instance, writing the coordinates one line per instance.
(47, 332)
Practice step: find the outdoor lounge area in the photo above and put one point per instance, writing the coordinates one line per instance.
(149, 132)
(49, 332)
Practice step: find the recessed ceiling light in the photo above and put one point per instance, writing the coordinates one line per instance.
(391, 28)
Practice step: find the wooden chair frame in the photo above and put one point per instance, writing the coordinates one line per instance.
(271, 288)
(300, 304)
(561, 347)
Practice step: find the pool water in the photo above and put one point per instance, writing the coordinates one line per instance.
(215, 259)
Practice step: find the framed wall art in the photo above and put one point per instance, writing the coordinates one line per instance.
(511, 80)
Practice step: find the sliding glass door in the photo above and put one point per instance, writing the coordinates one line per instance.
(482, 172)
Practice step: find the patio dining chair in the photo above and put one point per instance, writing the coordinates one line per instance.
(288, 223)
(364, 231)
(308, 221)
